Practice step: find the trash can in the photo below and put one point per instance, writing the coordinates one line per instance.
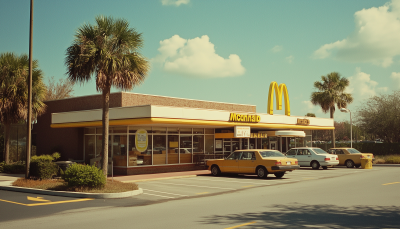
(64, 164)
(366, 163)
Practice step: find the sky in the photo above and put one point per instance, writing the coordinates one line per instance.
(228, 50)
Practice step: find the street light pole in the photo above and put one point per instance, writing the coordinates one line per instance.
(29, 115)
(351, 125)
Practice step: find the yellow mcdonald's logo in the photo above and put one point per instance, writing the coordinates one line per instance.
(278, 94)
(243, 118)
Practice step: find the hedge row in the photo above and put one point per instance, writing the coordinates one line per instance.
(374, 148)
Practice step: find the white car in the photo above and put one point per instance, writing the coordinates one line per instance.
(313, 156)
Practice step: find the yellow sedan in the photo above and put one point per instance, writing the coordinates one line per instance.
(254, 161)
(350, 157)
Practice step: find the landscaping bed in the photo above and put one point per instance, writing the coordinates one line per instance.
(60, 185)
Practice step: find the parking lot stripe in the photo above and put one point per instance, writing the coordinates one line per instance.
(391, 183)
(247, 186)
(158, 195)
(241, 225)
(233, 181)
(201, 193)
(199, 186)
(163, 192)
(48, 203)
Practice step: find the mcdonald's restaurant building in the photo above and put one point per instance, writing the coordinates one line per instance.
(150, 134)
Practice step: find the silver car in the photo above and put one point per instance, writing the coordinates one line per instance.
(313, 157)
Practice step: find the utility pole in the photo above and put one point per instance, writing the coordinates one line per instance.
(29, 116)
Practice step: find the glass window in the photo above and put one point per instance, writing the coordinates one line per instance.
(120, 129)
(159, 149)
(99, 130)
(209, 140)
(291, 152)
(159, 130)
(319, 151)
(133, 129)
(173, 146)
(119, 147)
(248, 156)
(172, 130)
(227, 145)
(271, 154)
(89, 148)
(234, 156)
(99, 149)
(351, 151)
(186, 131)
(139, 158)
(198, 144)
(198, 131)
(186, 147)
(209, 131)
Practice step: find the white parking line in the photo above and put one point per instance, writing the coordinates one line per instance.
(164, 192)
(159, 195)
(231, 181)
(199, 186)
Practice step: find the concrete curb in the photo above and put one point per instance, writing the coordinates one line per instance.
(72, 194)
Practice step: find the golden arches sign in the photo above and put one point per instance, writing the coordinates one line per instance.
(278, 94)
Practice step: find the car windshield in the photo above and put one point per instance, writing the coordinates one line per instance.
(353, 151)
(320, 151)
(271, 154)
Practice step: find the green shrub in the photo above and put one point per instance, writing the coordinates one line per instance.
(16, 167)
(392, 159)
(84, 176)
(42, 167)
(56, 155)
(42, 158)
(2, 166)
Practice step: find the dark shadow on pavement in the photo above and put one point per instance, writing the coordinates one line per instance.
(307, 216)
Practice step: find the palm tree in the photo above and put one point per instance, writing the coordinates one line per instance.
(108, 50)
(331, 92)
(14, 73)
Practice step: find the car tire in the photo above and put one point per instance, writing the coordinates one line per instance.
(324, 167)
(314, 165)
(279, 175)
(349, 164)
(262, 172)
(215, 171)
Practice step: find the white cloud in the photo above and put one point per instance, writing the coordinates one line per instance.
(289, 59)
(375, 39)
(277, 48)
(196, 57)
(174, 2)
(362, 87)
(396, 79)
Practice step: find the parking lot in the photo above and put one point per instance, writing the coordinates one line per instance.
(187, 187)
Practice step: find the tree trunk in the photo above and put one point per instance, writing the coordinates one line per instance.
(333, 131)
(105, 123)
(6, 152)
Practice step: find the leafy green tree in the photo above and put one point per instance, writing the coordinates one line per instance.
(379, 116)
(14, 73)
(107, 50)
(330, 93)
(310, 115)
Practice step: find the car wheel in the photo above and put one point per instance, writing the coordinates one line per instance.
(349, 164)
(215, 170)
(279, 175)
(324, 167)
(315, 165)
(262, 172)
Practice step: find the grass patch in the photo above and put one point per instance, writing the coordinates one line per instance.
(61, 185)
(389, 159)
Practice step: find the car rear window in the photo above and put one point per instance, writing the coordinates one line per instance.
(320, 151)
(353, 151)
(271, 154)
